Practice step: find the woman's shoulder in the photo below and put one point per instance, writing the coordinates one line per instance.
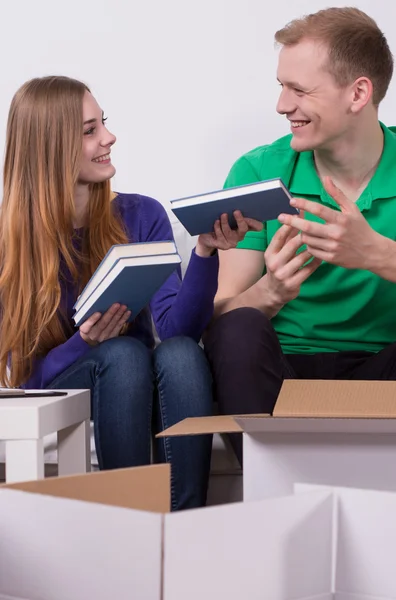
(136, 203)
(141, 214)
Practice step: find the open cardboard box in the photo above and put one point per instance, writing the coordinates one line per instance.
(324, 432)
(109, 535)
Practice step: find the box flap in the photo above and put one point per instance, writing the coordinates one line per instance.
(275, 549)
(330, 398)
(140, 488)
(59, 549)
(202, 425)
(365, 566)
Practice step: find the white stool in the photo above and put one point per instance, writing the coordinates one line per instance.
(24, 422)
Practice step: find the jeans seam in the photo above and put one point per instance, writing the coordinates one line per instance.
(98, 445)
(168, 453)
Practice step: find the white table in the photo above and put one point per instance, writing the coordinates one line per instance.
(24, 422)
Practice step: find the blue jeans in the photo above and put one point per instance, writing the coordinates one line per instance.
(136, 392)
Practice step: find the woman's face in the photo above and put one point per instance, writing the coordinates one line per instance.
(96, 163)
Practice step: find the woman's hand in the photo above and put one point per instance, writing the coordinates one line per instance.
(223, 237)
(98, 328)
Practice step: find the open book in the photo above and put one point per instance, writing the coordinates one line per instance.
(129, 274)
(262, 201)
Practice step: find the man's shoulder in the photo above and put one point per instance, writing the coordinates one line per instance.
(392, 131)
(263, 162)
(279, 146)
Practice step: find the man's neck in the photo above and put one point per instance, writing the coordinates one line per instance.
(352, 163)
(81, 199)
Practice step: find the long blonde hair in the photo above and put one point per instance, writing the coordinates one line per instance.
(41, 168)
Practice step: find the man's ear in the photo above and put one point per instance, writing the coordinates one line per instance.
(362, 93)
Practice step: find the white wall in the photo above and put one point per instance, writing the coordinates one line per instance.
(187, 86)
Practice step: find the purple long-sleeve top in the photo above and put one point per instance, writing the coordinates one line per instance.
(178, 307)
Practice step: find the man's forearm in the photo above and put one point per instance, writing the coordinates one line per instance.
(257, 296)
(383, 259)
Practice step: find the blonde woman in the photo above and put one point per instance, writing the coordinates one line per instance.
(58, 219)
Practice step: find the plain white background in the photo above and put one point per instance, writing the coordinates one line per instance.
(187, 86)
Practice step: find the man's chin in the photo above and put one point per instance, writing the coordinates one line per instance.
(301, 145)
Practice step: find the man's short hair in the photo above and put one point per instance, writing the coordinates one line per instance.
(356, 45)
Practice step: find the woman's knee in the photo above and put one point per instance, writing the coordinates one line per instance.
(182, 353)
(182, 371)
(125, 354)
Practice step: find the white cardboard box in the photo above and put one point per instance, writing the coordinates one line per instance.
(318, 544)
(340, 433)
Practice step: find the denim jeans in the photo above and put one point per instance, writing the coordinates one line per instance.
(135, 393)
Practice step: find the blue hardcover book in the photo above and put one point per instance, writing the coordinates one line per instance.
(129, 250)
(263, 201)
(131, 280)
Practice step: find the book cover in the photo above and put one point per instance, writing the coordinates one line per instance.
(264, 201)
(133, 249)
(128, 283)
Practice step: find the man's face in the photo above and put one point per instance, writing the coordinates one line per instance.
(317, 108)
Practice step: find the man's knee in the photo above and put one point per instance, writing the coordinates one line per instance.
(237, 331)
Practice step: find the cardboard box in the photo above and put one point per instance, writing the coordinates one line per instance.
(339, 433)
(90, 536)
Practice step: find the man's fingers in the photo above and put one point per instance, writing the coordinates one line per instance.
(292, 234)
(289, 250)
(306, 271)
(343, 202)
(290, 268)
(280, 238)
(309, 227)
(316, 243)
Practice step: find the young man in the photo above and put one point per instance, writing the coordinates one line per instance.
(314, 296)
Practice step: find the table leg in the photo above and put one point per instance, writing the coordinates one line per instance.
(24, 460)
(74, 452)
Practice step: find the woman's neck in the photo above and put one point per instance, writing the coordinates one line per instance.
(81, 199)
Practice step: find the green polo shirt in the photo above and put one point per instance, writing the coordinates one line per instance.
(337, 309)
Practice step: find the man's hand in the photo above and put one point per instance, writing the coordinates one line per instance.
(285, 269)
(345, 239)
(223, 237)
(98, 328)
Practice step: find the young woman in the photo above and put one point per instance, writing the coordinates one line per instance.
(58, 219)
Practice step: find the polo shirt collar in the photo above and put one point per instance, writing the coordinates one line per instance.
(383, 182)
(304, 180)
